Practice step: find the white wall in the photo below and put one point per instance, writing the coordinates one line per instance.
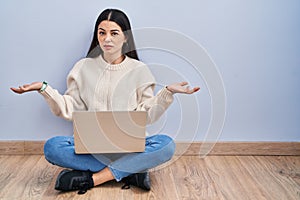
(254, 44)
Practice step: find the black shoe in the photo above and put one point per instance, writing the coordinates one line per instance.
(141, 180)
(68, 180)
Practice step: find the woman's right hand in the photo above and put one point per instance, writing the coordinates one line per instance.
(35, 86)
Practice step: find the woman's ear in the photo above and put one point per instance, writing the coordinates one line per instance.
(125, 41)
(125, 36)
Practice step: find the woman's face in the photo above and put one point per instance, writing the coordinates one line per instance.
(111, 38)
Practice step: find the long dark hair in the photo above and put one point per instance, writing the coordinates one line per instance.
(122, 20)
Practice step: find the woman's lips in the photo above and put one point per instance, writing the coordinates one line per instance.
(107, 47)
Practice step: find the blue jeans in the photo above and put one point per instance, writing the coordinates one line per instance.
(59, 151)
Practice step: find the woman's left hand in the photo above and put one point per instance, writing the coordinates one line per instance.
(182, 87)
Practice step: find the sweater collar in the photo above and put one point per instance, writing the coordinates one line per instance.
(113, 67)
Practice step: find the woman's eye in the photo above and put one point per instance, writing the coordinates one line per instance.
(101, 33)
(114, 33)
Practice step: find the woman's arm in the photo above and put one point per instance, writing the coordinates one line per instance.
(158, 104)
(64, 105)
(60, 105)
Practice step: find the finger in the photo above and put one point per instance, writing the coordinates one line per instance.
(26, 85)
(13, 89)
(190, 92)
(196, 89)
(187, 88)
(183, 83)
(21, 88)
(16, 90)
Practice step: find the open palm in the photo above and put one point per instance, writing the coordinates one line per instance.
(27, 87)
(182, 87)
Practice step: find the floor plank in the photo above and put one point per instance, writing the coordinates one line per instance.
(192, 179)
(230, 178)
(185, 177)
(41, 176)
(279, 174)
(16, 184)
(163, 184)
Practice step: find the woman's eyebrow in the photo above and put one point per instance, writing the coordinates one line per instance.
(110, 30)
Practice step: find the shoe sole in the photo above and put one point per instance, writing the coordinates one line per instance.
(57, 183)
(147, 182)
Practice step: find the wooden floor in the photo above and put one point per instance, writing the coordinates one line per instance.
(187, 177)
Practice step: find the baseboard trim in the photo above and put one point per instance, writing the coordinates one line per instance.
(182, 148)
(240, 148)
(22, 147)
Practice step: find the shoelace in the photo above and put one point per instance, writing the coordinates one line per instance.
(126, 185)
(127, 181)
(83, 187)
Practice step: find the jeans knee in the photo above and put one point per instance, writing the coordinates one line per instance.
(52, 148)
(48, 148)
(169, 149)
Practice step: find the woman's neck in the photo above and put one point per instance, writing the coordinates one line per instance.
(113, 59)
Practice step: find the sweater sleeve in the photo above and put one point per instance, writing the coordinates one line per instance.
(64, 105)
(154, 105)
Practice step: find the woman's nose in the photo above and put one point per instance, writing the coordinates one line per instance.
(108, 38)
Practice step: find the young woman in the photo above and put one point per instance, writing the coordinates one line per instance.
(110, 78)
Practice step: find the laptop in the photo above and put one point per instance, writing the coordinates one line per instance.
(109, 131)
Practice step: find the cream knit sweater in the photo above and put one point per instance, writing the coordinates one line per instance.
(95, 85)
